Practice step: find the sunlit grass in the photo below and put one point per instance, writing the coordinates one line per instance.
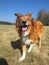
(36, 57)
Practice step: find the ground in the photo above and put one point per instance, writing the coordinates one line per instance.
(10, 52)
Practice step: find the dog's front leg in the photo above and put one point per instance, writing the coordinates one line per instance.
(23, 52)
(31, 46)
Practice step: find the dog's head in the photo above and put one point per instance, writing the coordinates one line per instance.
(23, 22)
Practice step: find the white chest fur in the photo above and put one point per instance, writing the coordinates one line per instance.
(25, 38)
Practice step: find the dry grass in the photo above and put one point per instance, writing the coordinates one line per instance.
(11, 54)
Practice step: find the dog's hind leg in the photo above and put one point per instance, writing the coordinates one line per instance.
(39, 43)
(40, 39)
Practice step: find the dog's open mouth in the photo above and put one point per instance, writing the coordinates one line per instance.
(24, 28)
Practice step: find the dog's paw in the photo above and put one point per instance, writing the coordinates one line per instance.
(21, 58)
(29, 51)
(30, 48)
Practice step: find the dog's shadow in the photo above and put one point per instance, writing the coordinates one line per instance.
(16, 44)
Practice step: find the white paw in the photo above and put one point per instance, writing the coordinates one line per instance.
(29, 50)
(21, 58)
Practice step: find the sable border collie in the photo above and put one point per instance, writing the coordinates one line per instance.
(30, 32)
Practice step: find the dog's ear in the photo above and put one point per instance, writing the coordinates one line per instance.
(32, 21)
(18, 15)
(17, 21)
(29, 14)
(17, 27)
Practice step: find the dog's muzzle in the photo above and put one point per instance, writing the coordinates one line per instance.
(24, 25)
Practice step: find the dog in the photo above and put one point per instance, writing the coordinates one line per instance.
(30, 32)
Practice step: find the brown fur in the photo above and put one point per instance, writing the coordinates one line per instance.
(35, 29)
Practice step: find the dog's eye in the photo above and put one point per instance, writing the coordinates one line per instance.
(27, 19)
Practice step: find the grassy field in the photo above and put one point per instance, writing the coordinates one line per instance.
(10, 52)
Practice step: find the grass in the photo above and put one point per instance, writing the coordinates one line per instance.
(11, 54)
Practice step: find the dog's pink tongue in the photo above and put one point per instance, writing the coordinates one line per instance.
(24, 29)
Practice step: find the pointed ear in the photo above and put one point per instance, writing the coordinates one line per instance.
(29, 14)
(18, 15)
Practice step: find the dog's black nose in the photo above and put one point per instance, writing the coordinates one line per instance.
(24, 22)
